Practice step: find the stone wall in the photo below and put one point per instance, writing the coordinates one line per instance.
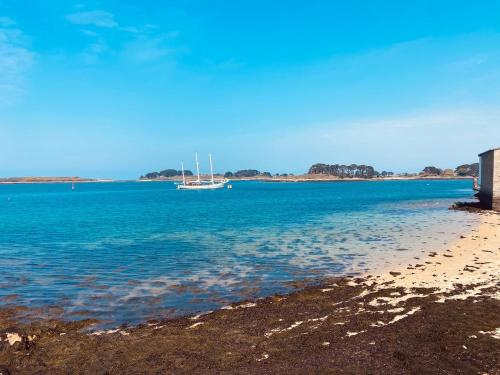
(490, 179)
(496, 180)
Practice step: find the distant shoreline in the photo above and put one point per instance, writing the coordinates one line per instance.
(49, 180)
(318, 178)
(300, 178)
(336, 179)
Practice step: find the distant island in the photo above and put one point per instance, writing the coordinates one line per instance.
(30, 180)
(327, 172)
(166, 173)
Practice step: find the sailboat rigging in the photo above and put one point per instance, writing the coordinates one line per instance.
(200, 184)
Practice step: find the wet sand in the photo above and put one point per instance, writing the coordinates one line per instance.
(439, 314)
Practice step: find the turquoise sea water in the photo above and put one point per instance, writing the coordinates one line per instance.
(128, 252)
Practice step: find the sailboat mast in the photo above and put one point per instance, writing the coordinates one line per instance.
(197, 166)
(183, 176)
(211, 168)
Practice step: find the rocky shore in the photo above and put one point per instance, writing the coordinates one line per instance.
(438, 315)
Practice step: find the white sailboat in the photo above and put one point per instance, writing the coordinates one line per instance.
(199, 184)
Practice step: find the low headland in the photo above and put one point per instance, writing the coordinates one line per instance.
(439, 314)
(49, 180)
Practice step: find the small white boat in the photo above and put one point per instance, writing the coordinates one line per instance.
(199, 184)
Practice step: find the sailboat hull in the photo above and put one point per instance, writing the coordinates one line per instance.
(199, 184)
(218, 185)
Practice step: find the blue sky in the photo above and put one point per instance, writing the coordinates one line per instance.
(119, 88)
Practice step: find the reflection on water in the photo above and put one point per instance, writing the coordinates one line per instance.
(127, 252)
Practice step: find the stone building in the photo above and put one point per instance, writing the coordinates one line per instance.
(489, 193)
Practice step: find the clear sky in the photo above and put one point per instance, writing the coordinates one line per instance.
(118, 88)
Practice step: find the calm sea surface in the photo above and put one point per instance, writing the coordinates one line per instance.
(128, 252)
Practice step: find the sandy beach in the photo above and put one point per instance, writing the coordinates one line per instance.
(438, 315)
(472, 259)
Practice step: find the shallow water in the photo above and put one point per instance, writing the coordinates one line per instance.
(127, 252)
